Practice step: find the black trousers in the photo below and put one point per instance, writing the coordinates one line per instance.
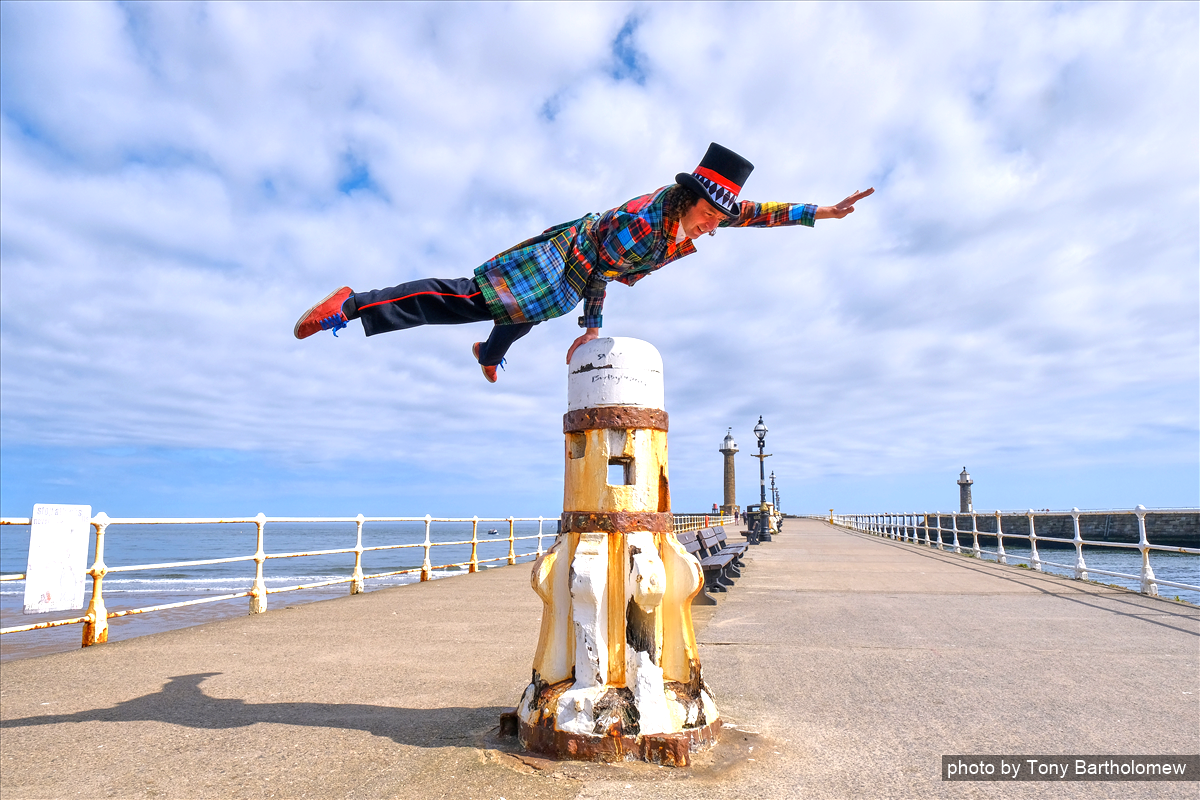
(433, 301)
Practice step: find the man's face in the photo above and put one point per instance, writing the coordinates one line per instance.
(700, 219)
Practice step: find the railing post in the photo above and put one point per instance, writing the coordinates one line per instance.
(356, 577)
(426, 569)
(95, 628)
(512, 555)
(925, 520)
(1080, 567)
(474, 545)
(1000, 555)
(954, 525)
(975, 536)
(1149, 586)
(539, 552)
(258, 592)
(941, 544)
(1033, 554)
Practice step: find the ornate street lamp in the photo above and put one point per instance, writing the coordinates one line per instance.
(764, 524)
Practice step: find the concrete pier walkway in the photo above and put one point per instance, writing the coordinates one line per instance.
(846, 665)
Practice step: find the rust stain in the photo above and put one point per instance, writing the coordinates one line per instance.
(544, 703)
(688, 694)
(617, 521)
(617, 714)
(616, 609)
(585, 419)
(667, 749)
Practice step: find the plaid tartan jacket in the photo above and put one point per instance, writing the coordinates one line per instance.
(546, 276)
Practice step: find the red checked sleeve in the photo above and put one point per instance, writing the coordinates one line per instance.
(770, 215)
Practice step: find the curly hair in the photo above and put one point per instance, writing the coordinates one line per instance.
(677, 202)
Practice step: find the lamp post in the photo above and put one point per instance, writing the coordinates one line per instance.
(774, 493)
(764, 524)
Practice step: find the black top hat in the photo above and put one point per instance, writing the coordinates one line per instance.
(719, 178)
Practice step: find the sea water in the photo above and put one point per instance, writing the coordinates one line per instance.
(129, 545)
(126, 545)
(1174, 567)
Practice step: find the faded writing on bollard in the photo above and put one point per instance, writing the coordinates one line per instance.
(616, 674)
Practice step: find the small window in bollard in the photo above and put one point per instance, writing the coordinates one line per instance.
(576, 445)
(620, 472)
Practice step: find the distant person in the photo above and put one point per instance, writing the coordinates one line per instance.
(546, 276)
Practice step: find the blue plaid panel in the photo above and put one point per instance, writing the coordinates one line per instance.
(546, 276)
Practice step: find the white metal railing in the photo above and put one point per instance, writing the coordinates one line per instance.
(696, 522)
(920, 528)
(95, 621)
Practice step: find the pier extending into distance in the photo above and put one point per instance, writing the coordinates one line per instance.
(845, 665)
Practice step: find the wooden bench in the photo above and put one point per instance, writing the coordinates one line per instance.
(722, 539)
(714, 567)
(710, 547)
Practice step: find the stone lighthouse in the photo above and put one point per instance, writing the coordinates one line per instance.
(728, 448)
(964, 493)
(616, 674)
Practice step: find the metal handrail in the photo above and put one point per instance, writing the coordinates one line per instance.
(95, 621)
(696, 522)
(916, 528)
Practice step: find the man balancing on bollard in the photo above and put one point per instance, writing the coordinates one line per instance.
(546, 276)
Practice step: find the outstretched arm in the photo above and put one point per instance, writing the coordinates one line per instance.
(843, 208)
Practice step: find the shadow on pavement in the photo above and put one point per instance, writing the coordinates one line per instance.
(181, 701)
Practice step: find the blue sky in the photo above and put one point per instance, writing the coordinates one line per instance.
(179, 181)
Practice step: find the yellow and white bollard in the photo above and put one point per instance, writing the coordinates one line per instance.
(616, 675)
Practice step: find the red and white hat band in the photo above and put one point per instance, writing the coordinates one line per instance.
(720, 190)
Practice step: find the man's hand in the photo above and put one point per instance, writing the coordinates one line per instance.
(843, 208)
(588, 335)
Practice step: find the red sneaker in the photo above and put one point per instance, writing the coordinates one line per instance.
(325, 315)
(488, 372)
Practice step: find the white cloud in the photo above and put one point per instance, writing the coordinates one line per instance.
(180, 181)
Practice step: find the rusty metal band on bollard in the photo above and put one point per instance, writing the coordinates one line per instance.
(591, 419)
(616, 522)
(666, 749)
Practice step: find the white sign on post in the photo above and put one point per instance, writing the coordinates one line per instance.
(58, 548)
